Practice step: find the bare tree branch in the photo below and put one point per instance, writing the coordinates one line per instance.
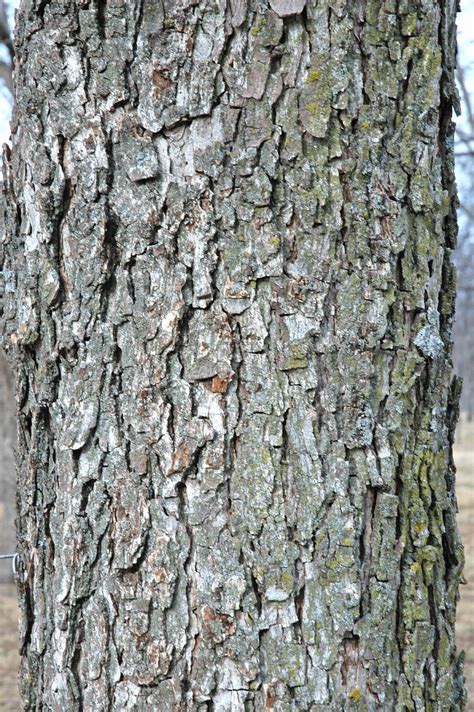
(6, 39)
(6, 75)
(466, 97)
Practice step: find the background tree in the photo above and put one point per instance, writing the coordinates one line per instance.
(7, 467)
(464, 256)
(229, 302)
(6, 61)
(7, 409)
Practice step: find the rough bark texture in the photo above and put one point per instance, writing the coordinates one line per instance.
(228, 303)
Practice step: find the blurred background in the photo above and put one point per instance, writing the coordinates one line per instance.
(464, 332)
(463, 359)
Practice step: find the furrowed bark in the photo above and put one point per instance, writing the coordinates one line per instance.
(228, 305)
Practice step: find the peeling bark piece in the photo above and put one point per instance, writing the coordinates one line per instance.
(284, 8)
(239, 11)
(219, 385)
(202, 369)
(83, 422)
(145, 164)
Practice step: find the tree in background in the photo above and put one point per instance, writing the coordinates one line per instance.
(464, 256)
(228, 305)
(6, 62)
(7, 409)
(7, 468)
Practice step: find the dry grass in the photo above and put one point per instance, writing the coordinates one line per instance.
(9, 697)
(464, 455)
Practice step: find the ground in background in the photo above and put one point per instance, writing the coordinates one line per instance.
(464, 457)
(9, 697)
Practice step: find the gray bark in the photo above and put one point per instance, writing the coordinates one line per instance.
(229, 300)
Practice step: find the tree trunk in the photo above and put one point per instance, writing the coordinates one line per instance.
(228, 304)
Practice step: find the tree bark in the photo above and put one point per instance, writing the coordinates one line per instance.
(228, 305)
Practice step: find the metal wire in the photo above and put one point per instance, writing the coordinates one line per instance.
(15, 558)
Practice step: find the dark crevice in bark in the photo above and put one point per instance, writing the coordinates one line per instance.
(101, 16)
(87, 488)
(257, 594)
(366, 546)
(350, 666)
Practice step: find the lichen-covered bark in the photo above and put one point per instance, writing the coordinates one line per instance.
(228, 302)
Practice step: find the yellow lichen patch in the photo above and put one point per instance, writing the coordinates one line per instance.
(275, 242)
(287, 581)
(256, 29)
(313, 76)
(355, 694)
(312, 108)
